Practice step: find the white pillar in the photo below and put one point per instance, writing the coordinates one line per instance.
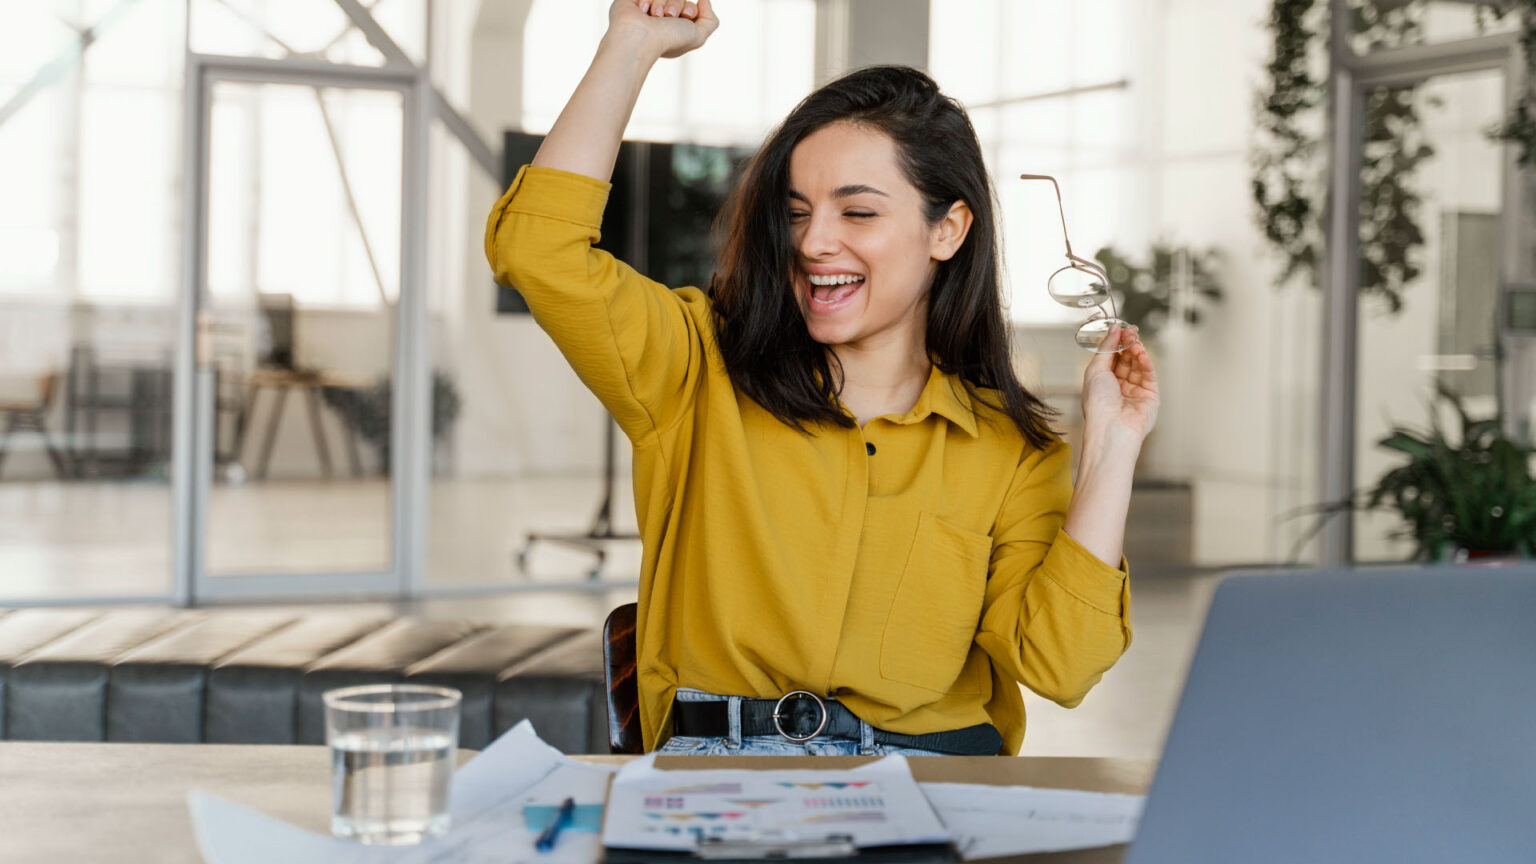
(854, 33)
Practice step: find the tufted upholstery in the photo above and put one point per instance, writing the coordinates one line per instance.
(256, 677)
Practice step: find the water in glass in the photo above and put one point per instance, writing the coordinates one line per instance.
(391, 784)
(392, 761)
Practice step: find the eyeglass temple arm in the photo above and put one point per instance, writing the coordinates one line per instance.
(1092, 265)
(1059, 209)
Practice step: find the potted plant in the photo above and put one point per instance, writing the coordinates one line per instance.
(1144, 293)
(366, 411)
(1471, 497)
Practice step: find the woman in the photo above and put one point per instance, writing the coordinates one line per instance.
(859, 531)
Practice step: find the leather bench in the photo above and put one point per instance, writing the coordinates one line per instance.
(234, 677)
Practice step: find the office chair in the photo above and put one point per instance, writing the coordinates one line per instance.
(619, 676)
(33, 416)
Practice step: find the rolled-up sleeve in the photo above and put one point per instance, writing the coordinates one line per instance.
(635, 343)
(1055, 617)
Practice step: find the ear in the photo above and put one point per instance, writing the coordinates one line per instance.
(948, 234)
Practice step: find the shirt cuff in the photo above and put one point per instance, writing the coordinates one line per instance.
(1081, 574)
(555, 194)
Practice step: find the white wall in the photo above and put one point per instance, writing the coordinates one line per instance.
(1240, 389)
(525, 411)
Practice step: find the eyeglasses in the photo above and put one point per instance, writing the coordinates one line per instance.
(1083, 284)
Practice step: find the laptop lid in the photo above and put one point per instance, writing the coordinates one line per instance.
(1355, 717)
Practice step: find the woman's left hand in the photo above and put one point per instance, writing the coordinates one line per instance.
(1120, 388)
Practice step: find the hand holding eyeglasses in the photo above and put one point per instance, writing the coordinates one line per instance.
(1120, 387)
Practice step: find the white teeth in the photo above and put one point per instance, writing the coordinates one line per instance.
(841, 279)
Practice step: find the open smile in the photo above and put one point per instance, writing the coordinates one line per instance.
(831, 292)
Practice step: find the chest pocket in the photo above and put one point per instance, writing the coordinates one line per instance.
(937, 607)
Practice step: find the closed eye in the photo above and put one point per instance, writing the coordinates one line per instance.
(859, 214)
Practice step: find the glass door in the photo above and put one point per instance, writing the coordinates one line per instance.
(1434, 224)
(297, 322)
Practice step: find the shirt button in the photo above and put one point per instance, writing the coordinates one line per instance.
(869, 448)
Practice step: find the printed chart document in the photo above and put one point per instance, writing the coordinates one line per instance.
(874, 805)
(486, 802)
(992, 821)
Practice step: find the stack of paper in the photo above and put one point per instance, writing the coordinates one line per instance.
(988, 821)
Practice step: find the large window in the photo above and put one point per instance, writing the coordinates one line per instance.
(1049, 87)
(89, 149)
(753, 71)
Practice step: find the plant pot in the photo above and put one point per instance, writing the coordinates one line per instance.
(1486, 557)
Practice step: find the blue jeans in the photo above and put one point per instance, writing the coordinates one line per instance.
(736, 744)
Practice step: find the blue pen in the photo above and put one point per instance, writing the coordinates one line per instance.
(563, 816)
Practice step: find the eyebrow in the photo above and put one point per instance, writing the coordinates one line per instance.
(844, 192)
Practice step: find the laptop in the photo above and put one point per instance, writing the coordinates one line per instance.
(1382, 716)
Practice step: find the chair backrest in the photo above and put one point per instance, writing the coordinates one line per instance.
(619, 675)
(46, 386)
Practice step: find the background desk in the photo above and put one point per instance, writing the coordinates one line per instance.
(124, 803)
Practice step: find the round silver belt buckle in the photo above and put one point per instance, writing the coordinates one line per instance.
(778, 710)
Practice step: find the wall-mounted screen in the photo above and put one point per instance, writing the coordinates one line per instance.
(661, 211)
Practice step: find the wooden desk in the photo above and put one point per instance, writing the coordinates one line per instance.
(310, 383)
(124, 803)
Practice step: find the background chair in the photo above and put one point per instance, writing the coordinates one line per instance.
(33, 416)
(619, 676)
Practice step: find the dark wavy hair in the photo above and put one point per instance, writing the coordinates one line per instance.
(762, 335)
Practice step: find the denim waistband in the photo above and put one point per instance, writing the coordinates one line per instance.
(733, 714)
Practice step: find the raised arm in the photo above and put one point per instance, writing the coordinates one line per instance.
(636, 344)
(1120, 404)
(585, 139)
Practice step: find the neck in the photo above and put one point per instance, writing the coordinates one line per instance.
(885, 378)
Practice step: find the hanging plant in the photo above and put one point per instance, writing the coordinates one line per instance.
(1286, 177)
(1519, 128)
(1289, 184)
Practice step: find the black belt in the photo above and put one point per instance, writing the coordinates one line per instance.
(802, 716)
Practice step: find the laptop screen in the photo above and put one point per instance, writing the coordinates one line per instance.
(1355, 716)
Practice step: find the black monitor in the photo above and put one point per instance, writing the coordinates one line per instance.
(277, 314)
(661, 211)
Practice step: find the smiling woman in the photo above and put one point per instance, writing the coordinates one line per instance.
(853, 236)
(846, 498)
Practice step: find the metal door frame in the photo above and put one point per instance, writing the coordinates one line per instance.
(192, 459)
(1351, 76)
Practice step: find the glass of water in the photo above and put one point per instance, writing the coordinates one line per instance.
(391, 760)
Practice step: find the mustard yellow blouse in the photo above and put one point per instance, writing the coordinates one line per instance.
(914, 568)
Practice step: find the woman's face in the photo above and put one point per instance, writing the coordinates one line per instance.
(866, 253)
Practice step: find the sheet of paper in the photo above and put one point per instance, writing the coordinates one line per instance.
(989, 821)
(487, 801)
(876, 804)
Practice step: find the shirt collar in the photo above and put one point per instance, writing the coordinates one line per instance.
(946, 396)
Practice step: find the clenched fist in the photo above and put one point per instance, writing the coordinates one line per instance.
(671, 28)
